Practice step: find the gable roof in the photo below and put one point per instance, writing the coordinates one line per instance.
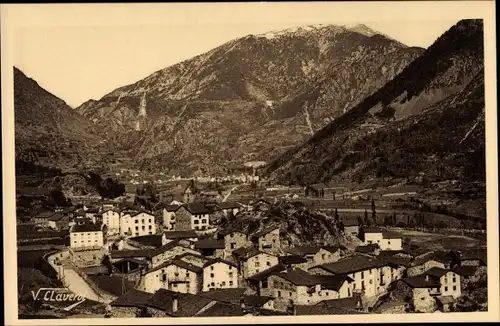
(350, 265)
(232, 229)
(465, 271)
(131, 253)
(219, 260)
(350, 222)
(87, 227)
(209, 244)
(372, 230)
(113, 284)
(420, 282)
(132, 298)
(332, 282)
(180, 234)
(331, 307)
(171, 208)
(437, 272)
(169, 246)
(177, 262)
(267, 272)
(298, 276)
(188, 304)
(367, 249)
(196, 208)
(153, 240)
(246, 253)
(292, 259)
(266, 230)
(225, 295)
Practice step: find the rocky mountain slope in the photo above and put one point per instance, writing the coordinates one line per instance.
(249, 97)
(427, 121)
(47, 131)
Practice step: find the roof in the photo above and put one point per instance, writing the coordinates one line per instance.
(292, 259)
(474, 254)
(166, 247)
(266, 230)
(420, 282)
(350, 222)
(391, 235)
(232, 229)
(131, 253)
(441, 257)
(330, 307)
(465, 271)
(171, 208)
(437, 272)
(87, 227)
(209, 244)
(180, 234)
(219, 260)
(188, 304)
(399, 260)
(445, 299)
(350, 265)
(229, 205)
(372, 230)
(332, 282)
(267, 272)
(196, 208)
(180, 263)
(113, 284)
(225, 295)
(298, 276)
(132, 298)
(58, 217)
(141, 212)
(153, 240)
(256, 301)
(222, 309)
(46, 214)
(368, 249)
(246, 253)
(132, 260)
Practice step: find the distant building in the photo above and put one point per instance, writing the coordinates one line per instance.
(315, 190)
(234, 239)
(385, 240)
(219, 274)
(420, 291)
(268, 239)
(192, 216)
(229, 208)
(111, 218)
(449, 280)
(317, 255)
(252, 261)
(351, 226)
(424, 262)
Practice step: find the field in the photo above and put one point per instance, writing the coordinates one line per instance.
(436, 241)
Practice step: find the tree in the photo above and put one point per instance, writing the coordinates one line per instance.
(366, 218)
(336, 216)
(374, 213)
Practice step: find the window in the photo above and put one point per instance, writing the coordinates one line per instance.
(211, 268)
(454, 287)
(196, 222)
(323, 256)
(231, 235)
(230, 283)
(223, 283)
(150, 232)
(290, 294)
(257, 264)
(149, 220)
(143, 228)
(175, 285)
(136, 228)
(445, 289)
(164, 277)
(136, 221)
(279, 294)
(203, 221)
(233, 245)
(230, 274)
(454, 279)
(212, 275)
(142, 221)
(257, 270)
(326, 293)
(230, 267)
(187, 274)
(212, 284)
(150, 227)
(268, 264)
(176, 274)
(264, 284)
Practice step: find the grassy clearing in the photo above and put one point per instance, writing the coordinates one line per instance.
(436, 241)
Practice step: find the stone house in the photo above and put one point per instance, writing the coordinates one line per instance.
(58, 222)
(189, 236)
(219, 274)
(449, 280)
(419, 291)
(252, 261)
(168, 213)
(133, 304)
(351, 226)
(469, 274)
(268, 239)
(317, 255)
(473, 257)
(423, 263)
(211, 247)
(192, 216)
(229, 208)
(234, 239)
(175, 275)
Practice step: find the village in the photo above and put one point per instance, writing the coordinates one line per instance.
(185, 258)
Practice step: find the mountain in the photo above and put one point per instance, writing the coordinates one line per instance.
(249, 97)
(427, 121)
(48, 132)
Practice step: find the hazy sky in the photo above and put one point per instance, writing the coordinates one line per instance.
(83, 52)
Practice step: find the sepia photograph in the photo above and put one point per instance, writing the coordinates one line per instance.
(279, 161)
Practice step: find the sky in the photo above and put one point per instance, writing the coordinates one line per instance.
(82, 52)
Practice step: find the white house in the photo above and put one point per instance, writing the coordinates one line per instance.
(111, 218)
(385, 240)
(175, 275)
(219, 274)
(138, 224)
(363, 270)
(449, 280)
(86, 236)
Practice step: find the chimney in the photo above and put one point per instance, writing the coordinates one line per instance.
(175, 302)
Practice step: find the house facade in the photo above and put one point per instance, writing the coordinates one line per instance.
(86, 236)
(256, 262)
(449, 280)
(419, 292)
(234, 240)
(168, 213)
(138, 224)
(111, 218)
(177, 276)
(268, 239)
(219, 274)
(193, 216)
(385, 240)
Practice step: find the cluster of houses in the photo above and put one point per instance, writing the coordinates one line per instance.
(178, 256)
